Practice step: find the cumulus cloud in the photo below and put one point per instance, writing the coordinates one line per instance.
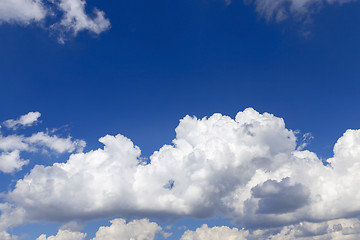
(249, 169)
(73, 15)
(282, 9)
(215, 233)
(141, 229)
(24, 121)
(12, 145)
(137, 230)
(64, 235)
(11, 161)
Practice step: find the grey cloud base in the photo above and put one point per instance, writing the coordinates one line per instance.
(248, 169)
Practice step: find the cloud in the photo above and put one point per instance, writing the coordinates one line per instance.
(11, 161)
(26, 120)
(74, 18)
(215, 233)
(137, 230)
(55, 143)
(7, 236)
(64, 235)
(280, 197)
(141, 229)
(11, 146)
(41, 141)
(249, 169)
(22, 11)
(337, 229)
(279, 10)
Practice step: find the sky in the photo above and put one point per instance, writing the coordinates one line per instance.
(179, 120)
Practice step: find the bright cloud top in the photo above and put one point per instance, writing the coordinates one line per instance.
(282, 9)
(12, 145)
(249, 169)
(74, 18)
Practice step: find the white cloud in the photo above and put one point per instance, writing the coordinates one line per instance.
(41, 141)
(215, 233)
(24, 121)
(64, 235)
(282, 9)
(11, 162)
(13, 142)
(74, 18)
(203, 167)
(136, 230)
(6, 236)
(339, 229)
(11, 146)
(247, 169)
(58, 144)
(10, 216)
(141, 229)
(22, 11)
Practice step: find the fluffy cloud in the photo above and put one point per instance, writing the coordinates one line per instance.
(281, 9)
(248, 169)
(24, 121)
(215, 233)
(74, 18)
(12, 145)
(137, 230)
(141, 229)
(64, 235)
(11, 161)
(22, 11)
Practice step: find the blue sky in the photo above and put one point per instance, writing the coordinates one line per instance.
(144, 65)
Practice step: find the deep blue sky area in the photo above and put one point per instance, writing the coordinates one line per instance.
(162, 60)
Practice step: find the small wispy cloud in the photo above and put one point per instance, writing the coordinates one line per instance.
(26, 120)
(12, 145)
(74, 17)
(280, 10)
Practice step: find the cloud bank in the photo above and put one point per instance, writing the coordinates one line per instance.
(143, 229)
(249, 169)
(73, 17)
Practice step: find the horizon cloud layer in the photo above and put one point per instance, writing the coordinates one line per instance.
(248, 169)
